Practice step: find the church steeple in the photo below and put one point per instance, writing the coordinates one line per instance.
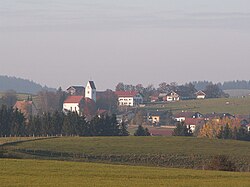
(90, 90)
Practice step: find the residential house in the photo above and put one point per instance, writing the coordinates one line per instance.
(90, 90)
(192, 123)
(182, 116)
(129, 98)
(74, 104)
(200, 95)
(171, 96)
(76, 90)
(28, 108)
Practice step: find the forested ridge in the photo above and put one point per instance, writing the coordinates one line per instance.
(20, 85)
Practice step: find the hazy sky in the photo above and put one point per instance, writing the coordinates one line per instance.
(68, 42)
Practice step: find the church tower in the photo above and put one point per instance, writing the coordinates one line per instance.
(90, 90)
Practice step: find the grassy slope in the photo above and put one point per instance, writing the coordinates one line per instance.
(58, 173)
(140, 145)
(235, 106)
(4, 140)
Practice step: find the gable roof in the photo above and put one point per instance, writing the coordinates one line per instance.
(187, 114)
(194, 121)
(73, 99)
(172, 93)
(200, 92)
(92, 84)
(126, 93)
(76, 87)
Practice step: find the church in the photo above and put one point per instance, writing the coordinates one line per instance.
(81, 99)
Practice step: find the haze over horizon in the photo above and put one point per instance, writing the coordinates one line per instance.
(68, 42)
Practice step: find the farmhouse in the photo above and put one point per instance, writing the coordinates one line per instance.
(74, 104)
(129, 98)
(192, 123)
(200, 95)
(172, 96)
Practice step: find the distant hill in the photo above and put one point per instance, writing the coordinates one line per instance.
(21, 85)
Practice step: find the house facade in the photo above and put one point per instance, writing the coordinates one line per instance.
(90, 91)
(172, 96)
(74, 104)
(129, 98)
(192, 123)
(200, 95)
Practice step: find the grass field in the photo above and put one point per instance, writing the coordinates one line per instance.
(4, 140)
(177, 152)
(230, 105)
(61, 173)
(142, 145)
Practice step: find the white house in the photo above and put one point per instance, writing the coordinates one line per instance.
(200, 95)
(74, 104)
(172, 96)
(129, 98)
(90, 90)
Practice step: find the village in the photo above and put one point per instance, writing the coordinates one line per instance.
(130, 107)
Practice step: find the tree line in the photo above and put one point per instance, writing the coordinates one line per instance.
(227, 85)
(13, 123)
(224, 129)
(186, 91)
(21, 85)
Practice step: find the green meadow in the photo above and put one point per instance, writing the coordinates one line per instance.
(60, 173)
(139, 145)
(174, 152)
(227, 105)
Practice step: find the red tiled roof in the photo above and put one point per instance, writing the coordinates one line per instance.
(193, 121)
(73, 99)
(126, 93)
(24, 107)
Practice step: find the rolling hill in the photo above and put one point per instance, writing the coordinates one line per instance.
(21, 85)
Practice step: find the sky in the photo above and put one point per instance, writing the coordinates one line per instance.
(68, 42)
